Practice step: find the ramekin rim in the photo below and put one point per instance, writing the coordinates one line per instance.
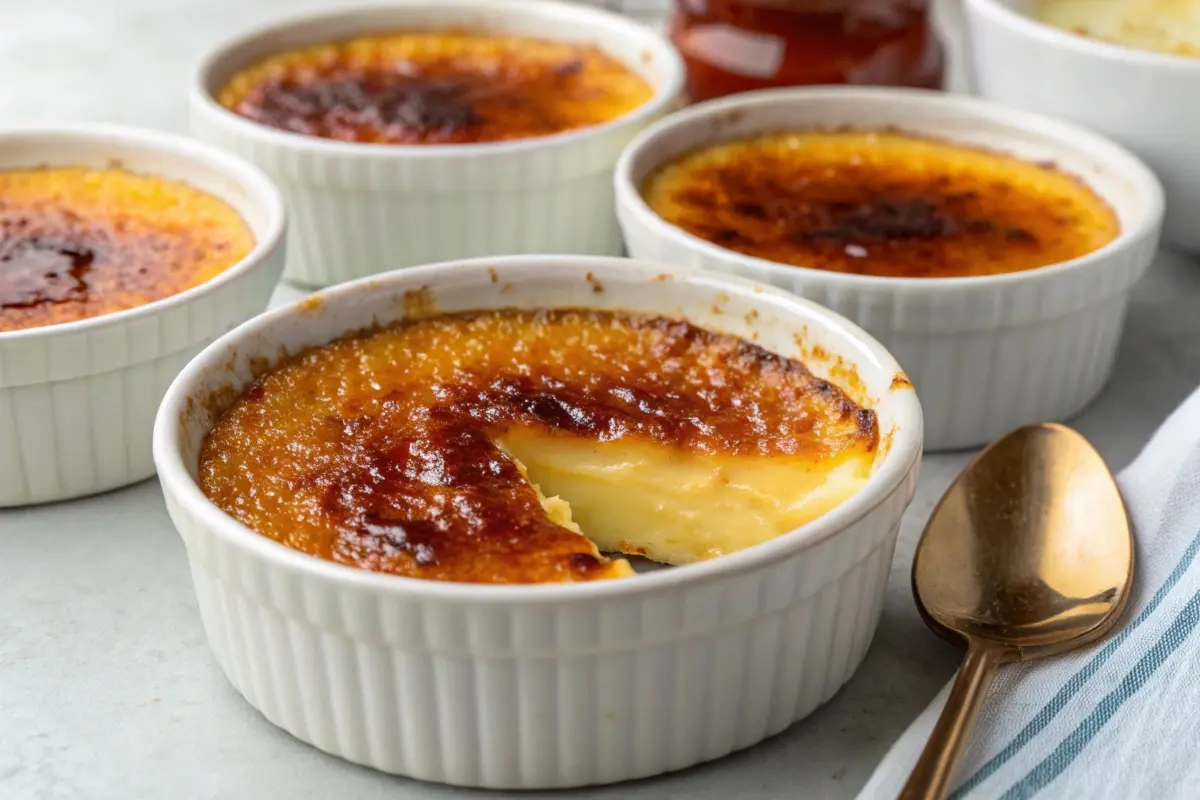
(900, 460)
(261, 191)
(664, 95)
(1099, 48)
(1129, 165)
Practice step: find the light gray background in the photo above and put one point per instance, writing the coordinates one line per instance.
(107, 687)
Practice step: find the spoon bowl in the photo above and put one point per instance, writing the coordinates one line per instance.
(1029, 553)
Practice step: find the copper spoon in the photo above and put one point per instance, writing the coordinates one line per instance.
(1028, 554)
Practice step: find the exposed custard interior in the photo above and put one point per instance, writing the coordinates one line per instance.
(476, 447)
(428, 87)
(77, 243)
(880, 203)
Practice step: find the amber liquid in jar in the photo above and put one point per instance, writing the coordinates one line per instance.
(734, 46)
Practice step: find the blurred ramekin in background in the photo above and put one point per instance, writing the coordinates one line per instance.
(359, 209)
(1146, 101)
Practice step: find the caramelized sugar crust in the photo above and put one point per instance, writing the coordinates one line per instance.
(881, 203)
(78, 243)
(378, 451)
(436, 88)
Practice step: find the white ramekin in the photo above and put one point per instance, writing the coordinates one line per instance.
(77, 400)
(361, 209)
(543, 686)
(1149, 102)
(986, 354)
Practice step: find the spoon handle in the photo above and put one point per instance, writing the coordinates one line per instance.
(930, 778)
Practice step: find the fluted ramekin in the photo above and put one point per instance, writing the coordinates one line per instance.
(544, 686)
(77, 400)
(360, 209)
(986, 354)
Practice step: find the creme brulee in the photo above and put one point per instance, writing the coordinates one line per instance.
(78, 243)
(480, 446)
(881, 203)
(436, 88)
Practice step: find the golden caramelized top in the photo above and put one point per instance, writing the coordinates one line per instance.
(379, 451)
(881, 203)
(78, 243)
(436, 88)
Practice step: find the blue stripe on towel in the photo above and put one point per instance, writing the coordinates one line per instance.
(1043, 718)
(1055, 763)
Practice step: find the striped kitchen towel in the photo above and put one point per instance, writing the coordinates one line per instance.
(1119, 719)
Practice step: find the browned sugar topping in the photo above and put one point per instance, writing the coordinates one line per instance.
(77, 243)
(882, 204)
(379, 451)
(435, 88)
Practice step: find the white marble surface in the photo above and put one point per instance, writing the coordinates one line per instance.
(107, 687)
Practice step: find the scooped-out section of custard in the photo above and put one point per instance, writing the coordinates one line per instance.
(674, 507)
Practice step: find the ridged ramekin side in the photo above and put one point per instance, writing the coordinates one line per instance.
(548, 695)
(343, 235)
(357, 217)
(345, 227)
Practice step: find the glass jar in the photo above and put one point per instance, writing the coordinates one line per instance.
(740, 45)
